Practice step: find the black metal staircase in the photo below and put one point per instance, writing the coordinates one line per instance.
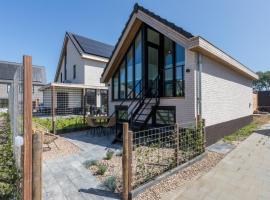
(140, 109)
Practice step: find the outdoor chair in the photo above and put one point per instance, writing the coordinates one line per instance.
(94, 128)
(48, 137)
(110, 126)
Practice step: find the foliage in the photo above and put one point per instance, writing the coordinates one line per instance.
(9, 175)
(263, 83)
(242, 133)
(62, 124)
(110, 183)
(89, 163)
(101, 169)
(109, 154)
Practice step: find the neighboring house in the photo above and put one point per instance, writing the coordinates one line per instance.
(162, 74)
(81, 63)
(7, 78)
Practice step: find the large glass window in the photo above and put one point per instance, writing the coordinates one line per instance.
(152, 68)
(122, 81)
(152, 36)
(138, 63)
(115, 86)
(130, 72)
(168, 67)
(179, 73)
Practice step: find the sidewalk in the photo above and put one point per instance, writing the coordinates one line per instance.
(243, 174)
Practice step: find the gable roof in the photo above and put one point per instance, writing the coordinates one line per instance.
(175, 33)
(86, 47)
(8, 70)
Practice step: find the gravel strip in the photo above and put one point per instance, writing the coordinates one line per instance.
(64, 148)
(181, 178)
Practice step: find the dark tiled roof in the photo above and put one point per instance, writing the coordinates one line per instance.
(164, 21)
(136, 8)
(8, 70)
(93, 47)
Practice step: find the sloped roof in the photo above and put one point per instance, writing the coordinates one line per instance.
(93, 47)
(8, 70)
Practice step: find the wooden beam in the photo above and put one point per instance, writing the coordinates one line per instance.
(37, 165)
(27, 128)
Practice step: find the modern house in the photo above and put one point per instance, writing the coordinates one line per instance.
(160, 74)
(7, 78)
(81, 63)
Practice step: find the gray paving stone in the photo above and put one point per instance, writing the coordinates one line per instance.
(66, 178)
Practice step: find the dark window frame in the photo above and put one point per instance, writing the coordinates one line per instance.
(161, 63)
(169, 108)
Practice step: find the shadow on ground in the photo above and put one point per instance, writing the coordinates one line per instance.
(99, 192)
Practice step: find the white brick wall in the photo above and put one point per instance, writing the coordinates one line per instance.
(226, 95)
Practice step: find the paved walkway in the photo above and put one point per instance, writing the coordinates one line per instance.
(67, 179)
(243, 174)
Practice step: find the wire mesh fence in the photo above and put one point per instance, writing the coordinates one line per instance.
(65, 108)
(158, 150)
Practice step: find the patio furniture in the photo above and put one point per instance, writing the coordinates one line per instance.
(95, 129)
(48, 137)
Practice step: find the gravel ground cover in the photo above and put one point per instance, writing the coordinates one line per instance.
(181, 178)
(60, 148)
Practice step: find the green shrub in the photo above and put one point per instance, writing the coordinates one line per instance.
(110, 183)
(89, 163)
(101, 169)
(109, 154)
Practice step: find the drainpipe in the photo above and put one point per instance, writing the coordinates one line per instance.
(199, 85)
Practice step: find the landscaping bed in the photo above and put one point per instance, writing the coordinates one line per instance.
(243, 133)
(10, 185)
(63, 124)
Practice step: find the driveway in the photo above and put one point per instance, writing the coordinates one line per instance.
(243, 174)
(66, 178)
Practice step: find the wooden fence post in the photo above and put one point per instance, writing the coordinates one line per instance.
(37, 165)
(53, 108)
(177, 144)
(125, 160)
(27, 128)
(130, 148)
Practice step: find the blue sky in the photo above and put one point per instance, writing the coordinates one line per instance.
(239, 27)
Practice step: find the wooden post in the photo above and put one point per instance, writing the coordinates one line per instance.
(27, 128)
(177, 144)
(53, 108)
(130, 148)
(37, 165)
(125, 164)
(203, 133)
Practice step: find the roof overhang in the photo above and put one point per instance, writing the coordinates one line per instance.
(72, 85)
(204, 47)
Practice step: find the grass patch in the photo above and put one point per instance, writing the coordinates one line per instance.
(89, 163)
(109, 155)
(247, 130)
(62, 124)
(101, 169)
(110, 183)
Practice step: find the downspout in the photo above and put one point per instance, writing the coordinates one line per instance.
(199, 85)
